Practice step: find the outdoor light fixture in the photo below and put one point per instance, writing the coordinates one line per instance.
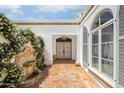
(64, 37)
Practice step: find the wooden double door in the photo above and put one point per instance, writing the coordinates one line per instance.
(64, 50)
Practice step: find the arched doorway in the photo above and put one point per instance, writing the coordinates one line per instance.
(63, 48)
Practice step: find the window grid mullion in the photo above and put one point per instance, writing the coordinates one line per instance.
(107, 59)
(107, 42)
(100, 39)
(95, 56)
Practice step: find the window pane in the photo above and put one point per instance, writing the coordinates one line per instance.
(107, 51)
(95, 38)
(96, 23)
(85, 34)
(107, 33)
(95, 62)
(85, 55)
(95, 50)
(107, 68)
(105, 16)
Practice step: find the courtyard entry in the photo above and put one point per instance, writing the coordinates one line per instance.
(63, 48)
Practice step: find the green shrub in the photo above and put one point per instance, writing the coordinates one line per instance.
(6, 85)
(40, 54)
(17, 41)
(14, 74)
(10, 75)
(3, 71)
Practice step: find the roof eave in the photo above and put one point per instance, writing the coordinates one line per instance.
(55, 22)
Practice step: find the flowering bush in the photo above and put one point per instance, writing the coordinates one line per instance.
(6, 85)
(11, 73)
(7, 28)
(3, 72)
(10, 32)
(40, 53)
(14, 74)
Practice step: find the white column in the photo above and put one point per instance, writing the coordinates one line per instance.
(90, 50)
(51, 50)
(81, 46)
(116, 51)
(48, 49)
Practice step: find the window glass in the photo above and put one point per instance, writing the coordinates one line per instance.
(85, 55)
(85, 46)
(105, 43)
(107, 68)
(107, 33)
(107, 51)
(85, 34)
(95, 62)
(95, 50)
(95, 38)
(96, 23)
(102, 18)
(105, 16)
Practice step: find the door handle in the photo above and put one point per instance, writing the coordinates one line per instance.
(63, 51)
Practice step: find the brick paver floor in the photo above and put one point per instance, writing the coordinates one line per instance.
(65, 74)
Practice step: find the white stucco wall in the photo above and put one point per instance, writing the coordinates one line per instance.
(49, 31)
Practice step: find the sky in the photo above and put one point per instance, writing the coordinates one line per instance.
(30, 12)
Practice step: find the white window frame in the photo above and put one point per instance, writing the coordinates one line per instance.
(99, 50)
